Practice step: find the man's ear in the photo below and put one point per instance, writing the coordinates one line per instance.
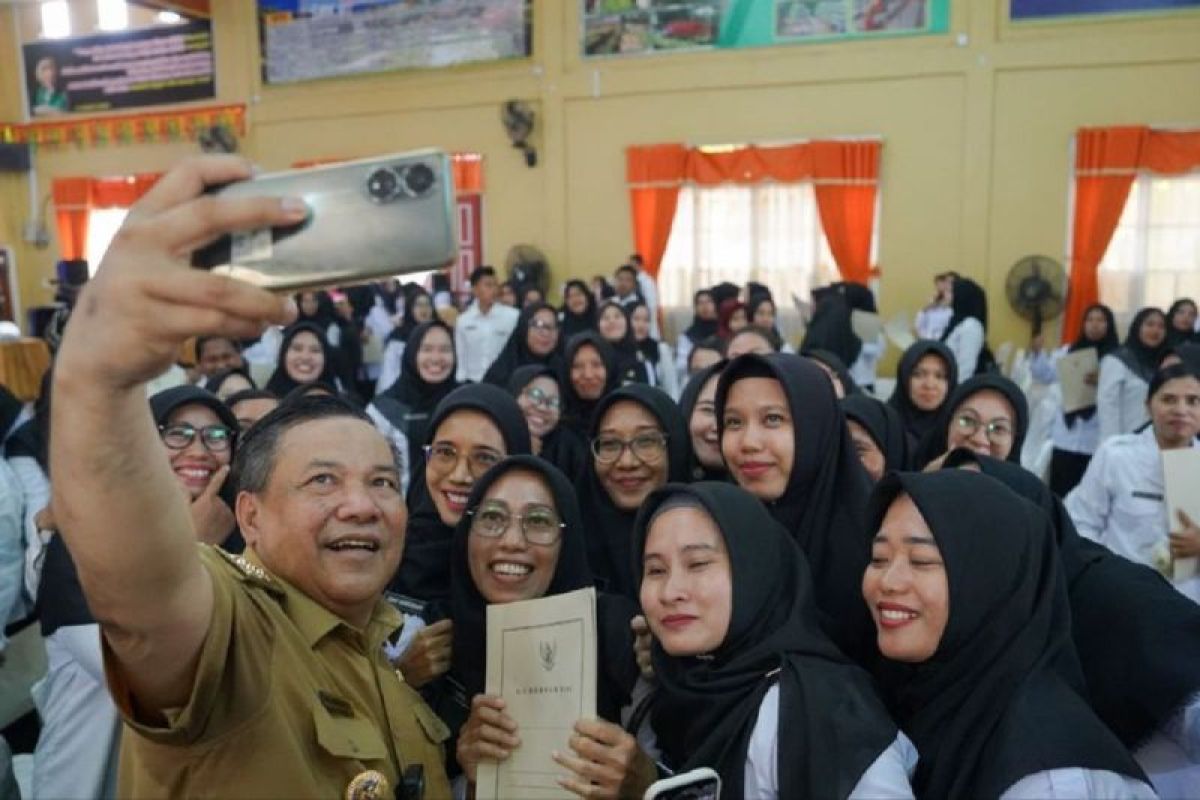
(246, 510)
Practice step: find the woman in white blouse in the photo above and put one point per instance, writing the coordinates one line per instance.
(1125, 374)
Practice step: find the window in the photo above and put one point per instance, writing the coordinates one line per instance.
(1154, 255)
(769, 232)
(113, 15)
(56, 19)
(102, 227)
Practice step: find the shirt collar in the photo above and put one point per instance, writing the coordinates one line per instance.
(315, 622)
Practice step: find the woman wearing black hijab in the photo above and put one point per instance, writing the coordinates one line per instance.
(614, 325)
(638, 442)
(1181, 323)
(785, 441)
(969, 598)
(402, 411)
(966, 332)
(538, 392)
(878, 435)
(589, 373)
(751, 686)
(418, 309)
(830, 329)
(578, 312)
(535, 340)
(987, 414)
(304, 357)
(519, 500)
(1126, 372)
(926, 376)
(697, 404)
(1137, 637)
(704, 326)
(1076, 434)
(473, 428)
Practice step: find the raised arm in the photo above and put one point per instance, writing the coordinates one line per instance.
(118, 507)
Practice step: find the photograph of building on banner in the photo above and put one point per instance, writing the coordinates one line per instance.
(113, 71)
(628, 27)
(306, 40)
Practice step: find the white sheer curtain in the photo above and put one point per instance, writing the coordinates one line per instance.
(769, 233)
(1154, 256)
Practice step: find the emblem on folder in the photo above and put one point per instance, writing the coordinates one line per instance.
(548, 652)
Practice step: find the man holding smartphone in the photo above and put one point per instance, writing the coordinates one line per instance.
(254, 676)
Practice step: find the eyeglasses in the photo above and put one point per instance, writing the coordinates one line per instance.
(215, 438)
(445, 458)
(542, 325)
(543, 400)
(998, 430)
(647, 448)
(539, 524)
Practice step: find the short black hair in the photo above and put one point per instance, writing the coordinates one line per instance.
(636, 259)
(255, 458)
(766, 334)
(203, 340)
(479, 273)
(1180, 370)
(249, 394)
(626, 268)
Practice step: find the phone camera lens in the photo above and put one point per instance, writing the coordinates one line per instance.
(418, 179)
(382, 185)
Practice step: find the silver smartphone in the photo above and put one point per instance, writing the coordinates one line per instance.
(369, 219)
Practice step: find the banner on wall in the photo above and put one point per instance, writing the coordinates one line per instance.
(310, 39)
(112, 71)
(629, 27)
(1038, 9)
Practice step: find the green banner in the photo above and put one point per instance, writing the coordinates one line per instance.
(633, 27)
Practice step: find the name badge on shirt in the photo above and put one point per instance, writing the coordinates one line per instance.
(1148, 496)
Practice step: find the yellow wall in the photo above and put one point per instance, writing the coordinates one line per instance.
(976, 127)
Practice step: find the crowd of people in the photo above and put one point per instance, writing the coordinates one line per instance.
(812, 590)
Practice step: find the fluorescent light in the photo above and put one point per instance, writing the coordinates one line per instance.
(112, 14)
(169, 18)
(56, 19)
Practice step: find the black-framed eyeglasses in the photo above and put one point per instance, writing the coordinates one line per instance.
(540, 525)
(997, 431)
(215, 438)
(445, 458)
(648, 448)
(543, 325)
(543, 400)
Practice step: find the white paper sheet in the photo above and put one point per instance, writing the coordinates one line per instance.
(1181, 473)
(1073, 369)
(542, 660)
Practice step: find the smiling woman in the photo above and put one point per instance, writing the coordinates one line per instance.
(471, 430)
(965, 581)
(304, 358)
(639, 442)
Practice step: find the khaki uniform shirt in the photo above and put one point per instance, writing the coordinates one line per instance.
(288, 701)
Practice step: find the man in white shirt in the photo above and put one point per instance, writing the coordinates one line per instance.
(483, 329)
(633, 283)
(1121, 501)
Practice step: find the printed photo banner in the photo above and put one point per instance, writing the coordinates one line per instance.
(169, 126)
(1042, 9)
(306, 40)
(634, 27)
(115, 71)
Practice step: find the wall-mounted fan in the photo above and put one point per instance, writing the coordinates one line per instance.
(217, 139)
(1036, 289)
(518, 119)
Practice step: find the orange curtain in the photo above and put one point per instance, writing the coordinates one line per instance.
(1106, 161)
(845, 180)
(75, 198)
(654, 173)
(846, 174)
